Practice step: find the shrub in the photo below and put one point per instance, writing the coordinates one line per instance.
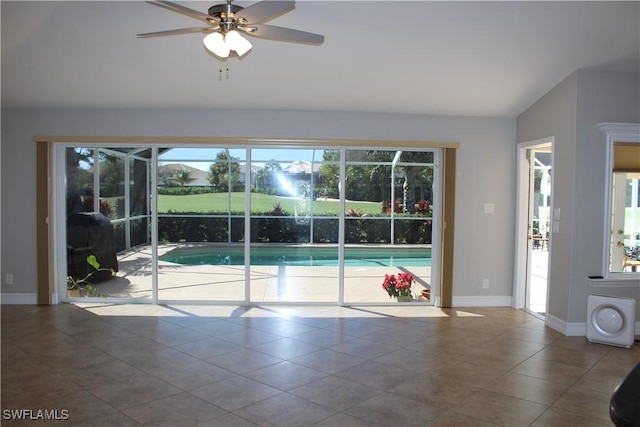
(355, 213)
(105, 206)
(184, 191)
(386, 206)
(277, 210)
(278, 226)
(192, 229)
(423, 207)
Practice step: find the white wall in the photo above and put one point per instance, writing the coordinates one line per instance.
(571, 112)
(486, 165)
(602, 97)
(555, 115)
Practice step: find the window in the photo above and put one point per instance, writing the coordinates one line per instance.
(623, 199)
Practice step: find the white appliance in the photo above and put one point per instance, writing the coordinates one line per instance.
(611, 320)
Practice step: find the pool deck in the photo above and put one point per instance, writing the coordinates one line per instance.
(268, 283)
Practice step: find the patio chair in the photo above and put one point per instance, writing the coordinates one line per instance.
(630, 258)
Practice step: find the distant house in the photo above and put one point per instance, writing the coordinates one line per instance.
(254, 173)
(165, 172)
(200, 177)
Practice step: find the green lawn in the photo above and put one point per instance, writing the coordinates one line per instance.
(260, 203)
(628, 214)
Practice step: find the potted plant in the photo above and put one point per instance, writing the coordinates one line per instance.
(80, 287)
(398, 286)
(425, 295)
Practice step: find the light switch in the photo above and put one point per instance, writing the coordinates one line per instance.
(556, 226)
(488, 208)
(556, 214)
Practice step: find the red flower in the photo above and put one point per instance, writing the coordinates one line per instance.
(399, 285)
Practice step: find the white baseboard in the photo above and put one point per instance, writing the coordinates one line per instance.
(570, 329)
(574, 329)
(482, 301)
(18, 299)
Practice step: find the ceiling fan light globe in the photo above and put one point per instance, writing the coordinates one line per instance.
(232, 37)
(216, 44)
(243, 46)
(236, 42)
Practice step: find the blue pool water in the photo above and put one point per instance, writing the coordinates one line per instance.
(302, 256)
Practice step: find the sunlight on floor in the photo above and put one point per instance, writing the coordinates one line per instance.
(229, 311)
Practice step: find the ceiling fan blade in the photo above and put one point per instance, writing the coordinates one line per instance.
(282, 34)
(264, 11)
(178, 32)
(181, 9)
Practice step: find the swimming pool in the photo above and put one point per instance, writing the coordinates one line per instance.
(307, 256)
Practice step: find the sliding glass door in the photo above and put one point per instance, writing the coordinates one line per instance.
(201, 199)
(294, 234)
(388, 217)
(248, 224)
(101, 214)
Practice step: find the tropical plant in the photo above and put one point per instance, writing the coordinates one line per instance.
(423, 207)
(182, 177)
(386, 206)
(84, 284)
(277, 210)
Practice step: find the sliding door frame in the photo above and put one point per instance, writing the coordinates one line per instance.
(46, 174)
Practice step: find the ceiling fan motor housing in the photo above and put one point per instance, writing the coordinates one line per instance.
(224, 12)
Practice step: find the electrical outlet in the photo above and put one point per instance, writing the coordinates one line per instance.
(485, 283)
(8, 279)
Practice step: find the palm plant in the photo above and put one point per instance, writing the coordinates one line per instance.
(182, 177)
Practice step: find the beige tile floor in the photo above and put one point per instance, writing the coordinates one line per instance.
(153, 365)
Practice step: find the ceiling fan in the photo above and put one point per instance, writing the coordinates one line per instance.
(226, 22)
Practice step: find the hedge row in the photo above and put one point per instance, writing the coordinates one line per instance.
(183, 191)
(292, 230)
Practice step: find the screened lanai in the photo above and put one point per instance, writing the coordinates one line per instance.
(254, 224)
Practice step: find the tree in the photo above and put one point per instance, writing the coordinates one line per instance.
(265, 176)
(379, 178)
(182, 177)
(357, 182)
(415, 176)
(224, 173)
(164, 177)
(111, 175)
(79, 175)
(412, 168)
(329, 173)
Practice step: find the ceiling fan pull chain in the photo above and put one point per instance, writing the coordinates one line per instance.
(226, 69)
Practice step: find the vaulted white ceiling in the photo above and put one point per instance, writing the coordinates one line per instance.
(417, 57)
